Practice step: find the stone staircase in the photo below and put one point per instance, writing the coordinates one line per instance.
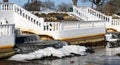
(89, 14)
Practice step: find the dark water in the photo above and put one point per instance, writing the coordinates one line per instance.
(97, 58)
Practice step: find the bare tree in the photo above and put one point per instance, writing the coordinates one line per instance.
(5, 0)
(111, 7)
(48, 4)
(64, 7)
(75, 2)
(115, 4)
(33, 6)
(96, 2)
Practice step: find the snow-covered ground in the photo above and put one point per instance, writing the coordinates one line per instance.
(50, 51)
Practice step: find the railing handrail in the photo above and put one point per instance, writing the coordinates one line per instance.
(117, 15)
(115, 19)
(5, 3)
(7, 24)
(100, 15)
(97, 12)
(81, 12)
(28, 13)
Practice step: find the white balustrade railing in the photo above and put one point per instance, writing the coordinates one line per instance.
(6, 6)
(99, 15)
(69, 25)
(22, 12)
(64, 26)
(51, 26)
(88, 14)
(115, 22)
(29, 16)
(80, 13)
(7, 29)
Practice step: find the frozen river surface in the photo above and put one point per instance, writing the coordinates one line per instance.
(97, 58)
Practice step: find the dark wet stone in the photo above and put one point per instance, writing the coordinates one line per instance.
(90, 50)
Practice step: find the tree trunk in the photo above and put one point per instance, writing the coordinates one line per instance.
(5, 0)
(75, 2)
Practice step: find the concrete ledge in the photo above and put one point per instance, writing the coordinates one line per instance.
(5, 53)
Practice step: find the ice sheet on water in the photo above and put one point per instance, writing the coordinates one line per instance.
(50, 51)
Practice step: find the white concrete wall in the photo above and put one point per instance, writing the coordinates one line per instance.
(8, 15)
(76, 29)
(7, 41)
(75, 33)
(7, 35)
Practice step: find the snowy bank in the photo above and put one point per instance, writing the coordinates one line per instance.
(50, 51)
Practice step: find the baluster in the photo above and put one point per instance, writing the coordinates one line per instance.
(5, 6)
(4, 29)
(61, 26)
(9, 6)
(53, 25)
(57, 27)
(0, 30)
(9, 30)
(0, 7)
(13, 29)
(14, 8)
(118, 21)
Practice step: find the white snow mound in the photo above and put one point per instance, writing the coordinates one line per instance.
(50, 51)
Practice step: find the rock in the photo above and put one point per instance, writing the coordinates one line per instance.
(90, 50)
(72, 62)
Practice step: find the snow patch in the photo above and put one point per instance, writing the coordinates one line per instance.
(50, 51)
